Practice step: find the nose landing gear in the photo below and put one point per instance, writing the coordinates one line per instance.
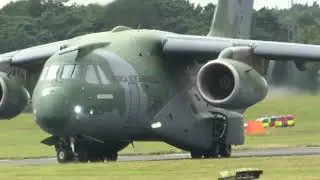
(64, 156)
(83, 152)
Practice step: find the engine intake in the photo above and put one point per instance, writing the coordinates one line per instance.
(231, 84)
(13, 97)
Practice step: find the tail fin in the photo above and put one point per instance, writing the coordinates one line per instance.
(232, 19)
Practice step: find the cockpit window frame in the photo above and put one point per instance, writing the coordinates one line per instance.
(102, 78)
(94, 70)
(69, 71)
(60, 71)
(98, 70)
(79, 69)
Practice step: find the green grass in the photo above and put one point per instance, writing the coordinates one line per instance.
(20, 137)
(307, 119)
(280, 168)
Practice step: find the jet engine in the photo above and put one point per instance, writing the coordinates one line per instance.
(13, 97)
(231, 84)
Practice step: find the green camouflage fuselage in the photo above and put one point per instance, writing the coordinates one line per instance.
(122, 104)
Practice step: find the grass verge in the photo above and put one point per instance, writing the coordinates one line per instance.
(20, 137)
(274, 168)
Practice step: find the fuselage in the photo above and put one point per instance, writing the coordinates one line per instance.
(112, 92)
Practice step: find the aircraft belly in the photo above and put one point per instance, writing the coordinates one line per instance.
(106, 126)
(187, 123)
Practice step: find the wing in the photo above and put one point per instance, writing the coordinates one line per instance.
(32, 53)
(27, 64)
(196, 45)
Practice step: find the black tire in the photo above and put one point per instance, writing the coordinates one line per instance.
(112, 156)
(212, 153)
(196, 154)
(96, 158)
(83, 156)
(225, 150)
(64, 156)
(100, 158)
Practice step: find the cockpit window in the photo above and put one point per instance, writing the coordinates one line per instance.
(52, 72)
(91, 75)
(76, 72)
(67, 71)
(60, 72)
(103, 77)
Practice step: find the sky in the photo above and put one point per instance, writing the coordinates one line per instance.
(258, 3)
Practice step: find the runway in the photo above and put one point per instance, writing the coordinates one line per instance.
(235, 154)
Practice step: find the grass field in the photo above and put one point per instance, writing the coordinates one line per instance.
(20, 137)
(280, 168)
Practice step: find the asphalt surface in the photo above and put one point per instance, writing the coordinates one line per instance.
(235, 154)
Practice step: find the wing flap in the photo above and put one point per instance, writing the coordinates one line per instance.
(266, 49)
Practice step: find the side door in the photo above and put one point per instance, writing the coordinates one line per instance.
(99, 91)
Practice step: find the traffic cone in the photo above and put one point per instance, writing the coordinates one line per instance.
(255, 128)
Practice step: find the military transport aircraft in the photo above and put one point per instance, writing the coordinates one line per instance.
(97, 93)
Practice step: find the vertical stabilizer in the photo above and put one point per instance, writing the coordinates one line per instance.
(232, 19)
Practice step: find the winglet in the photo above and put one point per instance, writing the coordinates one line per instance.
(232, 19)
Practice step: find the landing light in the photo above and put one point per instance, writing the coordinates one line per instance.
(91, 112)
(77, 109)
(156, 125)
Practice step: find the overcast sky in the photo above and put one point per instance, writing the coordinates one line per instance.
(258, 3)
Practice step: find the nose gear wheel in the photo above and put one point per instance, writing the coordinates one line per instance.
(82, 153)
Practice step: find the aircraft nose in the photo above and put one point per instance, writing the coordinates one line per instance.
(52, 111)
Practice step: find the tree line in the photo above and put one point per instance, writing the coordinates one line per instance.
(27, 23)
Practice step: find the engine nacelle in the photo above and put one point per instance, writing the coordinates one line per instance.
(231, 84)
(13, 97)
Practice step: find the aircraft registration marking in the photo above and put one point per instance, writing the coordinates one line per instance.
(135, 79)
(104, 96)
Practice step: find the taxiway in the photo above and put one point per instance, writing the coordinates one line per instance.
(236, 154)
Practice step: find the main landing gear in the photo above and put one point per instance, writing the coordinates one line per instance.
(218, 150)
(83, 152)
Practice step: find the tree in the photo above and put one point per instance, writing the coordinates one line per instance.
(35, 8)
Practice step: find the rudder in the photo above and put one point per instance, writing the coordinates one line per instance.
(232, 19)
